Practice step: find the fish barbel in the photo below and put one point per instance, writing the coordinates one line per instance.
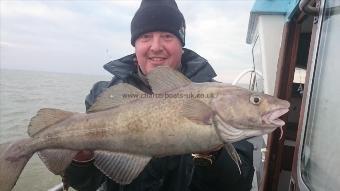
(124, 123)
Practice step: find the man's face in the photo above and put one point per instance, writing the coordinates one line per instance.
(158, 49)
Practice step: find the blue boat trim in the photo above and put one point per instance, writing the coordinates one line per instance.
(286, 8)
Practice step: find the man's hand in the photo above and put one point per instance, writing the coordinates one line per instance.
(206, 158)
(84, 156)
(211, 151)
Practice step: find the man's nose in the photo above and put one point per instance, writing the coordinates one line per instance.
(156, 44)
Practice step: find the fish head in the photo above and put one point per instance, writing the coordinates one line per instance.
(248, 113)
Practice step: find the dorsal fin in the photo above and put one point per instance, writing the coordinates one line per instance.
(163, 79)
(45, 118)
(114, 96)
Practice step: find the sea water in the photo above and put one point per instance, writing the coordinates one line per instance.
(22, 94)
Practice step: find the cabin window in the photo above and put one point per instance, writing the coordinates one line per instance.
(320, 159)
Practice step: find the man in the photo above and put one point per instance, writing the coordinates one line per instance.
(158, 35)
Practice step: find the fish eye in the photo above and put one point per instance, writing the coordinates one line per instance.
(255, 99)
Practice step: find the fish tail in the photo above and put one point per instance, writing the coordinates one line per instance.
(10, 170)
(56, 160)
(18, 149)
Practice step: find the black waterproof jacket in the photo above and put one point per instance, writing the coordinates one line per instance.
(172, 173)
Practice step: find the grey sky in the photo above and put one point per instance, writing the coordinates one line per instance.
(81, 36)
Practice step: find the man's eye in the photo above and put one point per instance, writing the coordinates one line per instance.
(146, 36)
(168, 36)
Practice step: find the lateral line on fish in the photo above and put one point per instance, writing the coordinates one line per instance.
(67, 135)
(69, 132)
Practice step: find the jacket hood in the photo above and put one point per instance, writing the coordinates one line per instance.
(195, 67)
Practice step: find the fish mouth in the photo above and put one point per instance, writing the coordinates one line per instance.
(272, 117)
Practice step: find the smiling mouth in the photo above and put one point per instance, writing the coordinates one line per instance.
(272, 117)
(157, 60)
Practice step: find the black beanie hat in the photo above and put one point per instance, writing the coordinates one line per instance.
(158, 15)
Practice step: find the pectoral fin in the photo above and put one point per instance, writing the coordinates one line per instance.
(197, 111)
(120, 167)
(233, 154)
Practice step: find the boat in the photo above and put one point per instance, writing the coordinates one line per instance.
(295, 51)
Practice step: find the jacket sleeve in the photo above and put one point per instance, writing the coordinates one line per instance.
(224, 173)
(84, 177)
(96, 90)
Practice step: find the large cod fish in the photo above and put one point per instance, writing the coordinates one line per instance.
(126, 127)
